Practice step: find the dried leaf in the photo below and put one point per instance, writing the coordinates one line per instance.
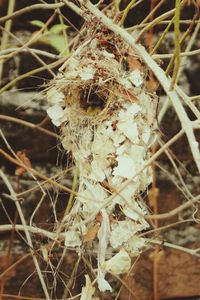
(103, 236)
(122, 231)
(134, 63)
(102, 283)
(72, 239)
(56, 114)
(92, 232)
(119, 263)
(20, 171)
(136, 78)
(54, 96)
(87, 73)
(125, 167)
(152, 84)
(88, 290)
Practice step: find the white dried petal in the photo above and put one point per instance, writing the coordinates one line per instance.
(122, 149)
(92, 197)
(126, 195)
(125, 167)
(118, 138)
(56, 114)
(97, 171)
(136, 78)
(72, 74)
(102, 283)
(129, 128)
(146, 134)
(54, 96)
(88, 290)
(103, 236)
(135, 244)
(126, 83)
(131, 110)
(133, 211)
(73, 63)
(118, 264)
(107, 54)
(122, 231)
(72, 239)
(115, 181)
(87, 73)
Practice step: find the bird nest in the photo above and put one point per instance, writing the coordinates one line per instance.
(107, 117)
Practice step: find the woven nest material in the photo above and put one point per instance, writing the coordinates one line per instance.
(107, 119)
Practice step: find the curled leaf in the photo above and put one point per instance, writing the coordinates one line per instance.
(20, 170)
(88, 290)
(119, 263)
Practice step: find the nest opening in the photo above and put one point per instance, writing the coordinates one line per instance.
(92, 98)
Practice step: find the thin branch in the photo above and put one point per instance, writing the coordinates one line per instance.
(32, 40)
(31, 229)
(5, 35)
(174, 211)
(25, 46)
(32, 72)
(176, 247)
(37, 51)
(141, 25)
(182, 54)
(177, 43)
(38, 174)
(29, 124)
(29, 9)
(28, 237)
(61, 236)
(45, 182)
(15, 263)
(165, 227)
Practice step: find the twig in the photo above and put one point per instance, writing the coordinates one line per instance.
(19, 195)
(15, 263)
(28, 237)
(182, 54)
(155, 22)
(5, 36)
(29, 124)
(9, 296)
(142, 25)
(33, 39)
(190, 44)
(50, 235)
(38, 174)
(29, 9)
(174, 211)
(165, 227)
(37, 51)
(177, 43)
(29, 50)
(176, 247)
(31, 229)
(32, 72)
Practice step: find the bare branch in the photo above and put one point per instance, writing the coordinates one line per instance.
(28, 237)
(29, 9)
